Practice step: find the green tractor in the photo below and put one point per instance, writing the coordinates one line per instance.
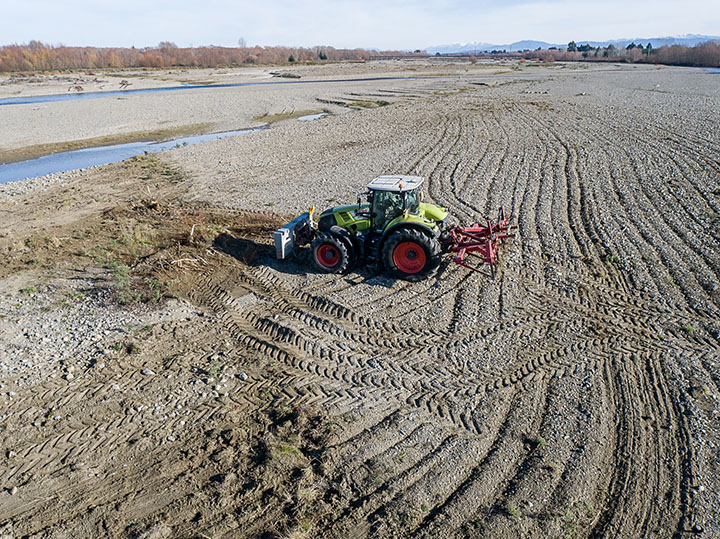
(394, 229)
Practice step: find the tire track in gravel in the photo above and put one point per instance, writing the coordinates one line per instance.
(418, 403)
(299, 302)
(52, 454)
(477, 157)
(674, 255)
(631, 224)
(440, 454)
(609, 142)
(427, 163)
(658, 198)
(630, 485)
(666, 229)
(483, 487)
(692, 235)
(437, 289)
(438, 410)
(437, 170)
(575, 210)
(543, 203)
(521, 166)
(502, 175)
(481, 173)
(281, 342)
(703, 153)
(682, 163)
(617, 228)
(109, 432)
(375, 486)
(284, 343)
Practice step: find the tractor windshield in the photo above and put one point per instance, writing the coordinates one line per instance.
(386, 205)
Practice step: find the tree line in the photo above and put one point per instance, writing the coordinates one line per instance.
(703, 55)
(37, 56)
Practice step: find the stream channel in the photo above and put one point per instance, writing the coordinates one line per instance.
(103, 155)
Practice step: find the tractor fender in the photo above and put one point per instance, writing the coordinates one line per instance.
(407, 224)
(345, 237)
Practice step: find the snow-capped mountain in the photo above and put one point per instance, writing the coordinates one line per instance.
(689, 40)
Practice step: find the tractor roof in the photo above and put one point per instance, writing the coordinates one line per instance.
(396, 184)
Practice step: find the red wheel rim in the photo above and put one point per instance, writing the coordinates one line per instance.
(328, 256)
(409, 257)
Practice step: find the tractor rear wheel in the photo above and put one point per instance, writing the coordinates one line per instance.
(411, 254)
(330, 254)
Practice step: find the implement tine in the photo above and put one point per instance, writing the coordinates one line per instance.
(481, 241)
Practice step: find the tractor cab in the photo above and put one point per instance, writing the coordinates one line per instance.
(392, 196)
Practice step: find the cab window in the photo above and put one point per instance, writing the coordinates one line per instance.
(386, 206)
(413, 201)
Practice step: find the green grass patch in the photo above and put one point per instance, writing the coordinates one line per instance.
(216, 369)
(512, 511)
(126, 292)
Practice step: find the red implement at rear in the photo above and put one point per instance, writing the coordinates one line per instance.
(480, 241)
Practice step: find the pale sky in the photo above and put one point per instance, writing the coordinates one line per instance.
(380, 24)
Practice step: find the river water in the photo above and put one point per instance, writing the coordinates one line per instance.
(100, 155)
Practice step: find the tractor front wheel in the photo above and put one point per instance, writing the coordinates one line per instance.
(330, 254)
(411, 254)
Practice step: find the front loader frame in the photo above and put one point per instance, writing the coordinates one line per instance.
(298, 232)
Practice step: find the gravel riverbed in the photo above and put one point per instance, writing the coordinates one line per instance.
(576, 393)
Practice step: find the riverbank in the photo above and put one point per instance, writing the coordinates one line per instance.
(32, 129)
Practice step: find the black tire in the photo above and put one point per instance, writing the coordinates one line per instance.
(330, 254)
(411, 254)
(446, 226)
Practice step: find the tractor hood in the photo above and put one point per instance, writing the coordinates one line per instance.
(433, 212)
(349, 208)
(352, 217)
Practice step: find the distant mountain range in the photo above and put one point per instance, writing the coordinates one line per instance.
(689, 40)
